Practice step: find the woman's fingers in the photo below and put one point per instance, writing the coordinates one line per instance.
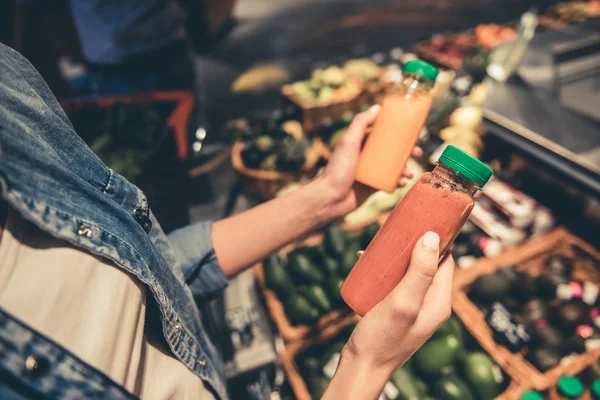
(358, 127)
(410, 292)
(437, 306)
(416, 152)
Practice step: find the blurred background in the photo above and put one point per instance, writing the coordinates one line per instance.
(214, 106)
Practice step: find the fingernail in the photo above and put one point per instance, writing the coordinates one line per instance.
(431, 241)
(359, 253)
(374, 108)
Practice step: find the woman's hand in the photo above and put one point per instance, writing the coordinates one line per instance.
(394, 329)
(338, 178)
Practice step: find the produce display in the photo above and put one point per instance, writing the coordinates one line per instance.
(307, 280)
(326, 85)
(449, 366)
(275, 145)
(122, 135)
(491, 35)
(547, 317)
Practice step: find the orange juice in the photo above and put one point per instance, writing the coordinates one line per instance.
(396, 130)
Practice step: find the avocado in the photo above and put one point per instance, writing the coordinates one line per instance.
(543, 358)
(317, 297)
(368, 234)
(316, 253)
(534, 310)
(490, 288)
(276, 275)
(303, 269)
(574, 344)
(452, 388)
(569, 315)
(479, 373)
(546, 285)
(291, 154)
(331, 266)
(335, 241)
(333, 286)
(436, 354)
(318, 384)
(522, 284)
(299, 309)
(559, 265)
(547, 336)
(404, 381)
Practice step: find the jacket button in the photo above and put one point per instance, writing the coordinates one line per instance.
(202, 365)
(36, 366)
(85, 231)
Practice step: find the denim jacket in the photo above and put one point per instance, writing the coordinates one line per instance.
(50, 176)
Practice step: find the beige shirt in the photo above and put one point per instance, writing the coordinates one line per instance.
(92, 308)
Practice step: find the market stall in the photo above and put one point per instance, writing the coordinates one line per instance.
(526, 320)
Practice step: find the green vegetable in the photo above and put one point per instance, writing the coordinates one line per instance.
(333, 76)
(421, 386)
(331, 265)
(291, 155)
(350, 256)
(317, 297)
(439, 114)
(303, 269)
(452, 388)
(318, 385)
(335, 138)
(276, 276)
(333, 286)
(436, 354)
(404, 381)
(335, 240)
(264, 143)
(311, 366)
(368, 234)
(252, 157)
(299, 309)
(479, 373)
(334, 348)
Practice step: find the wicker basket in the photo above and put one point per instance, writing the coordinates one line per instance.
(312, 115)
(264, 185)
(528, 257)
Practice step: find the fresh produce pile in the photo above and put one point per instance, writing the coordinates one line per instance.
(123, 135)
(326, 85)
(308, 279)
(449, 366)
(492, 35)
(275, 145)
(545, 317)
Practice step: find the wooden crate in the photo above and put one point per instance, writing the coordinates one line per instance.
(530, 257)
(298, 384)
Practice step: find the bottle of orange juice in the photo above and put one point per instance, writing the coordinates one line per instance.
(396, 130)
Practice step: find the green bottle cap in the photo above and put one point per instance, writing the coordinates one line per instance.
(596, 389)
(531, 395)
(421, 68)
(466, 165)
(570, 386)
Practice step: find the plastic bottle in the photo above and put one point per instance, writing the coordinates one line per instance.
(397, 128)
(440, 201)
(567, 388)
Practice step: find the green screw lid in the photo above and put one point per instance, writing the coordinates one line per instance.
(531, 395)
(466, 165)
(570, 386)
(596, 389)
(421, 68)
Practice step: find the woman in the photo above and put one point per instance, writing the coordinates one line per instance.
(96, 302)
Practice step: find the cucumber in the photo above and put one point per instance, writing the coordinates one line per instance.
(335, 241)
(317, 297)
(331, 265)
(333, 286)
(479, 373)
(404, 381)
(368, 234)
(276, 276)
(436, 354)
(318, 384)
(299, 309)
(350, 257)
(452, 388)
(303, 269)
